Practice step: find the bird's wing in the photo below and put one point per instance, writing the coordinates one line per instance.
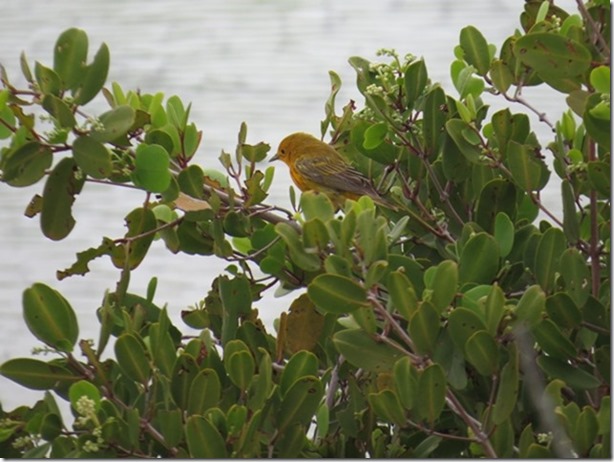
(334, 174)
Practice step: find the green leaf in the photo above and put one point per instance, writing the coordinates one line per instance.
(479, 260)
(586, 432)
(426, 447)
(337, 294)
(434, 119)
(402, 294)
(600, 79)
(504, 233)
(482, 352)
(205, 392)
(87, 389)
(375, 135)
(316, 205)
(140, 222)
(443, 285)
(475, 49)
(572, 376)
(558, 60)
(562, 310)
(405, 382)
(548, 253)
(501, 75)
(531, 306)
(387, 406)
(599, 176)
(571, 222)
(255, 153)
(415, 80)
(95, 76)
(300, 402)
(424, 328)
(204, 440)
(494, 309)
(240, 367)
(70, 56)
(575, 272)
(35, 374)
(184, 373)
(151, 170)
(92, 157)
(361, 350)
(48, 80)
(596, 120)
(304, 260)
(458, 130)
(59, 110)
(432, 392)
(132, 358)
(50, 317)
(497, 196)
(114, 124)
(552, 340)
(236, 298)
(301, 364)
(462, 324)
(58, 196)
(171, 425)
(529, 172)
(507, 392)
(27, 164)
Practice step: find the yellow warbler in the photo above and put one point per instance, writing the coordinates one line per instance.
(316, 166)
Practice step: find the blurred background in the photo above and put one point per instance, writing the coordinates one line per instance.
(264, 62)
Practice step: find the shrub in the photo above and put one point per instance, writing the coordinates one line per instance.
(472, 321)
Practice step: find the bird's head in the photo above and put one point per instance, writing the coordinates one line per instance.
(291, 145)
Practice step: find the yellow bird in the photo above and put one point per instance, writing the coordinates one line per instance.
(316, 166)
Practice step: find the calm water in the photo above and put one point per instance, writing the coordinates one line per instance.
(264, 62)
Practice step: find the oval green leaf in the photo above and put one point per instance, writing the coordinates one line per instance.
(300, 403)
(301, 364)
(92, 157)
(507, 392)
(475, 49)
(482, 352)
(424, 328)
(58, 196)
(479, 260)
(528, 171)
(205, 392)
(50, 317)
(337, 294)
(572, 376)
(548, 253)
(387, 406)
(114, 124)
(95, 76)
(27, 164)
(552, 341)
(432, 388)
(204, 440)
(362, 351)
(151, 168)
(35, 374)
(443, 285)
(70, 56)
(132, 358)
(462, 324)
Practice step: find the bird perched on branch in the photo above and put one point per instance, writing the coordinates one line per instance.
(317, 166)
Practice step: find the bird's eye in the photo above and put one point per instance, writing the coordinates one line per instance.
(283, 151)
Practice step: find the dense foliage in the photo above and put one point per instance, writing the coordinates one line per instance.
(472, 321)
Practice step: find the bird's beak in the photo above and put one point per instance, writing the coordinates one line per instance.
(275, 157)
